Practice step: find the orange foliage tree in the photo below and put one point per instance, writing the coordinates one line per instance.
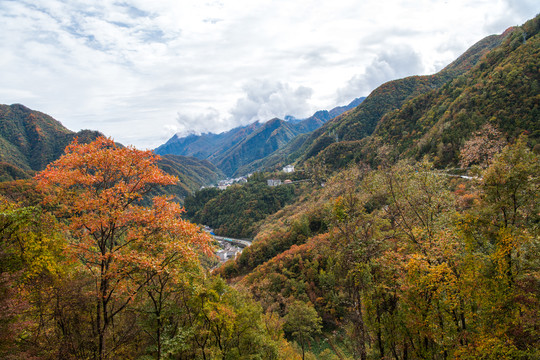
(97, 189)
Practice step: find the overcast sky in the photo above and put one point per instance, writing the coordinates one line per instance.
(141, 70)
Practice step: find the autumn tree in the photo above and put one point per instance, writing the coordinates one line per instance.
(503, 235)
(302, 322)
(422, 314)
(30, 260)
(355, 236)
(482, 147)
(204, 318)
(96, 190)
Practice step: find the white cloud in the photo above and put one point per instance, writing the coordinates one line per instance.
(510, 13)
(262, 100)
(395, 63)
(266, 99)
(130, 68)
(198, 122)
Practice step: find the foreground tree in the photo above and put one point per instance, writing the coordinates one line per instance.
(302, 322)
(504, 237)
(30, 261)
(97, 190)
(356, 237)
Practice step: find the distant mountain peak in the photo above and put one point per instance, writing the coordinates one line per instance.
(237, 147)
(290, 118)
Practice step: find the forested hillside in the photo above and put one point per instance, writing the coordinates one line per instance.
(362, 121)
(192, 173)
(30, 140)
(498, 95)
(235, 211)
(400, 256)
(501, 92)
(406, 261)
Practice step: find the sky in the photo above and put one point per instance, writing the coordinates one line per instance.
(140, 71)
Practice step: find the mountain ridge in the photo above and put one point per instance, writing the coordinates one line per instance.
(237, 148)
(499, 88)
(362, 121)
(31, 139)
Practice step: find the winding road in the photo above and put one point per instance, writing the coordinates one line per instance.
(239, 242)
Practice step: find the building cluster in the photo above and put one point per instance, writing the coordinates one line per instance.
(273, 182)
(276, 182)
(227, 251)
(223, 184)
(288, 169)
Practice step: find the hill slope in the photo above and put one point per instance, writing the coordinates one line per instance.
(502, 92)
(192, 173)
(493, 102)
(399, 251)
(29, 140)
(362, 121)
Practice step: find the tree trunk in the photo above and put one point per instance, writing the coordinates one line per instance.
(361, 328)
(158, 334)
(379, 332)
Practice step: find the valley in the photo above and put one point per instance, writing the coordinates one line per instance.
(404, 225)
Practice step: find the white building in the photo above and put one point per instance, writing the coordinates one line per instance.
(273, 182)
(288, 169)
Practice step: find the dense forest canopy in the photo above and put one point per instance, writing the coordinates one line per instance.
(415, 263)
